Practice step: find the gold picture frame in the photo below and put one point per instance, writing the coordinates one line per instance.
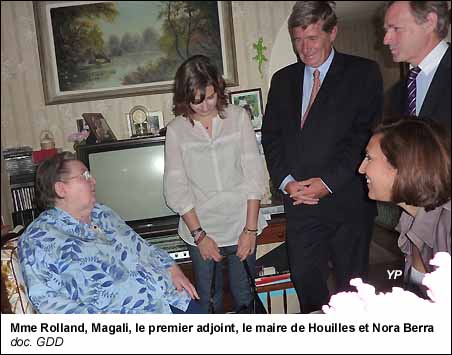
(82, 58)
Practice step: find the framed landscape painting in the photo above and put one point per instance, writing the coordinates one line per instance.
(105, 49)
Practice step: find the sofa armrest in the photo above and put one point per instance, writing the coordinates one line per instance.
(14, 292)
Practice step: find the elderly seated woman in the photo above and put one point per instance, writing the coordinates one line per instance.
(408, 162)
(79, 256)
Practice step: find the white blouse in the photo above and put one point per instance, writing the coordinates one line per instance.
(215, 175)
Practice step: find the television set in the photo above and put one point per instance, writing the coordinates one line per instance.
(129, 179)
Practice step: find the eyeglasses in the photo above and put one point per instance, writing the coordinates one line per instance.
(86, 175)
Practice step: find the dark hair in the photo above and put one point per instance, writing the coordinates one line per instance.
(420, 151)
(49, 172)
(305, 13)
(420, 10)
(197, 73)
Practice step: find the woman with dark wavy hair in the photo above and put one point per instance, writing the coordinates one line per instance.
(214, 179)
(408, 162)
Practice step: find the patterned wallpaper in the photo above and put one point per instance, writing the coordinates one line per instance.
(24, 114)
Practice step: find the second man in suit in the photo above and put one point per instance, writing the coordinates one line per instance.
(415, 34)
(316, 126)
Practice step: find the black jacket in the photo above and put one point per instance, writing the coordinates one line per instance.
(436, 105)
(333, 140)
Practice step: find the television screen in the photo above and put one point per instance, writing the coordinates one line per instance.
(129, 177)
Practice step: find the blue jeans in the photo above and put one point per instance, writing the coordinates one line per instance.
(238, 279)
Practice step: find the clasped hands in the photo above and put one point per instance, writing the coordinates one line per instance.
(308, 192)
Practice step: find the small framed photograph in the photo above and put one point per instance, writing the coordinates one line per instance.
(251, 101)
(156, 122)
(99, 127)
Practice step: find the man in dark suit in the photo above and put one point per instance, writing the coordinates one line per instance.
(415, 32)
(316, 126)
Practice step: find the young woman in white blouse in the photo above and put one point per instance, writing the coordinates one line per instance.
(214, 179)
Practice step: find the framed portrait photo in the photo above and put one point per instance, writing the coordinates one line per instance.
(156, 122)
(251, 101)
(99, 127)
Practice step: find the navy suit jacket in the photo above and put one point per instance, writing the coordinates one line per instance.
(333, 140)
(436, 105)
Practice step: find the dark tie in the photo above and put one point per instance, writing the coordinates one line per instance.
(315, 89)
(411, 90)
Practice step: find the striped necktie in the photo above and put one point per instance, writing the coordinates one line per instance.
(411, 90)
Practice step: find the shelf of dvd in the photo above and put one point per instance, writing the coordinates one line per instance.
(21, 170)
(24, 202)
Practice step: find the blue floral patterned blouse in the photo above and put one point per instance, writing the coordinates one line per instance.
(105, 267)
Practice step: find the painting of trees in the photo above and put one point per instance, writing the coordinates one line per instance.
(188, 28)
(77, 37)
(95, 48)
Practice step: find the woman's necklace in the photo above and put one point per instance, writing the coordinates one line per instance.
(206, 124)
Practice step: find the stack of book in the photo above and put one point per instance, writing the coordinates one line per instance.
(272, 280)
(278, 294)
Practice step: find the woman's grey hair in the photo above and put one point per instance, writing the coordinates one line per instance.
(49, 172)
(305, 13)
(420, 10)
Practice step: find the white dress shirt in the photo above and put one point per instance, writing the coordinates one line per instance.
(308, 82)
(428, 66)
(308, 79)
(215, 175)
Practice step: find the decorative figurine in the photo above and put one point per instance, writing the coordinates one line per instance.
(260, 57)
